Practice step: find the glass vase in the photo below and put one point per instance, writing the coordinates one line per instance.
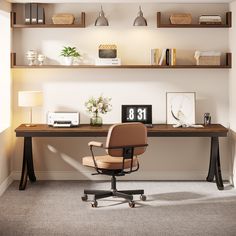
(96, 120)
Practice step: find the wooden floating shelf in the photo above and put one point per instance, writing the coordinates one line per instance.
(228, 23)
(15, 25)
(120, 67)
(227, 65)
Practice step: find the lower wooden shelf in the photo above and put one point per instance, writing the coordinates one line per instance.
(227, 65)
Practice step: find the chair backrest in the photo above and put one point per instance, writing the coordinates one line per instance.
(126, 134)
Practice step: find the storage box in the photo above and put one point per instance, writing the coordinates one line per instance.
(181, 19)
(207, 58)
(65, 19)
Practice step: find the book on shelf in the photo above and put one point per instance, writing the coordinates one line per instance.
(155, 56)
(210, 19)
(34, 13)
(168, 57)
(107, 62)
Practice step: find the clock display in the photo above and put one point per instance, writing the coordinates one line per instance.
(137, 113)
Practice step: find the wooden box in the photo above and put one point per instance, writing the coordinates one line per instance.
(208, 60)
(64, 19)
(181, 19)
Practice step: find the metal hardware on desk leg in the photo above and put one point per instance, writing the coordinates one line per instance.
(214, 167)
(27, 165)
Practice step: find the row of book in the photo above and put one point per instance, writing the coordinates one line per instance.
(165, 56)
(34, 14)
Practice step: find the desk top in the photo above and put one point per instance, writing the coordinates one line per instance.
(85, 130)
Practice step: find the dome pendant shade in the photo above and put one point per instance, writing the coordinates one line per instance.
(101, 20)
(140, 20)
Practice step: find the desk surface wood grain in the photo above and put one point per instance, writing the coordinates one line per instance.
(85, 130)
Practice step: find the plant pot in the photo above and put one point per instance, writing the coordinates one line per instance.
(96, 120)
(68, 61)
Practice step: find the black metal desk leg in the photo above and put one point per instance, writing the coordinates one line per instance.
(218, 175)
(211, 171)
(28, 165)
(214, 166)
(29, 159)
(24, 173)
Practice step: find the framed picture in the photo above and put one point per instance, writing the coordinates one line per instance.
(180, 107)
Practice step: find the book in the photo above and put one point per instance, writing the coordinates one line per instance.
(167, 56)
(34, 13)
(162, 58)
(41, 15)
(173, 56)
(107, 62)
(28, 13)
(155, 56)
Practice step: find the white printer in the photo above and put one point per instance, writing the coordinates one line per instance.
(63, 119)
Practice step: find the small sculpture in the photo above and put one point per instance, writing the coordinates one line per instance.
(41, 59)
(31, 56)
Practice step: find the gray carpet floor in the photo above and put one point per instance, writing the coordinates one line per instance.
(172, 208)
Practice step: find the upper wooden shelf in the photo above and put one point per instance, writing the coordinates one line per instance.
(227, 24)
(121, 67)
(15, 25)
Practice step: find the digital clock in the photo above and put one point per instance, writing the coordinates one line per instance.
(137, 113)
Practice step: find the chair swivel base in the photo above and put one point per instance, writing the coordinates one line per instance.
(126, 194)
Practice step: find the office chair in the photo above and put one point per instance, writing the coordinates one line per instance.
(124, 143)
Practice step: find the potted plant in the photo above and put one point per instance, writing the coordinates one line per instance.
(69, 53)
(96, 107)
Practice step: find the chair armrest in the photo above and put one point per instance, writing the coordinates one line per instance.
(96, 144)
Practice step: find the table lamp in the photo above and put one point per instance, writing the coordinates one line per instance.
(30, 99)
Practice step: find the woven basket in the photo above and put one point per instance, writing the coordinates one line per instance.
(208, 60)
(64, 19)
(181, 19)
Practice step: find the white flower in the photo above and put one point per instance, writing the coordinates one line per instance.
(94, 109)
(99, 105)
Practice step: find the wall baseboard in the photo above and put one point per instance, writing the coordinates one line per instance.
(148, 175)
(4, 185)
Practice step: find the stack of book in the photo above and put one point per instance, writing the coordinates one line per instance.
(210, 19)
(108, 62)
(166, 56)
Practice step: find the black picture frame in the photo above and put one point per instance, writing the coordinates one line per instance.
(125, 109)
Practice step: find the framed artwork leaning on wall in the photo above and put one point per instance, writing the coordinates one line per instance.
(180, 107)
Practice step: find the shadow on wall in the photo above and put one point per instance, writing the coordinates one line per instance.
(51, 154)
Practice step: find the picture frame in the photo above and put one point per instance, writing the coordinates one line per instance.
(180, 107)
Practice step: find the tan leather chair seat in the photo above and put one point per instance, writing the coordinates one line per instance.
(109, 162)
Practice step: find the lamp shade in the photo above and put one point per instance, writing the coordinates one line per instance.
(30, 98)
(140, 20)
(101, 20)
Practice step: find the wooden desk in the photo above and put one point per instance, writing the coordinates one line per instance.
(213, 131)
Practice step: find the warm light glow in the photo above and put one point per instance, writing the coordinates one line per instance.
(30, 98)
(5, 73)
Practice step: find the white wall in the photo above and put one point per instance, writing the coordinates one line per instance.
(5, 92)
(66, 89)
(232, 96)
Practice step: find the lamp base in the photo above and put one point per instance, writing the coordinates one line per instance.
(30, 125)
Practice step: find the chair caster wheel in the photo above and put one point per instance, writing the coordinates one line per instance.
(131, 204)
(143, 197)
(94, 204)
(84, 197)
